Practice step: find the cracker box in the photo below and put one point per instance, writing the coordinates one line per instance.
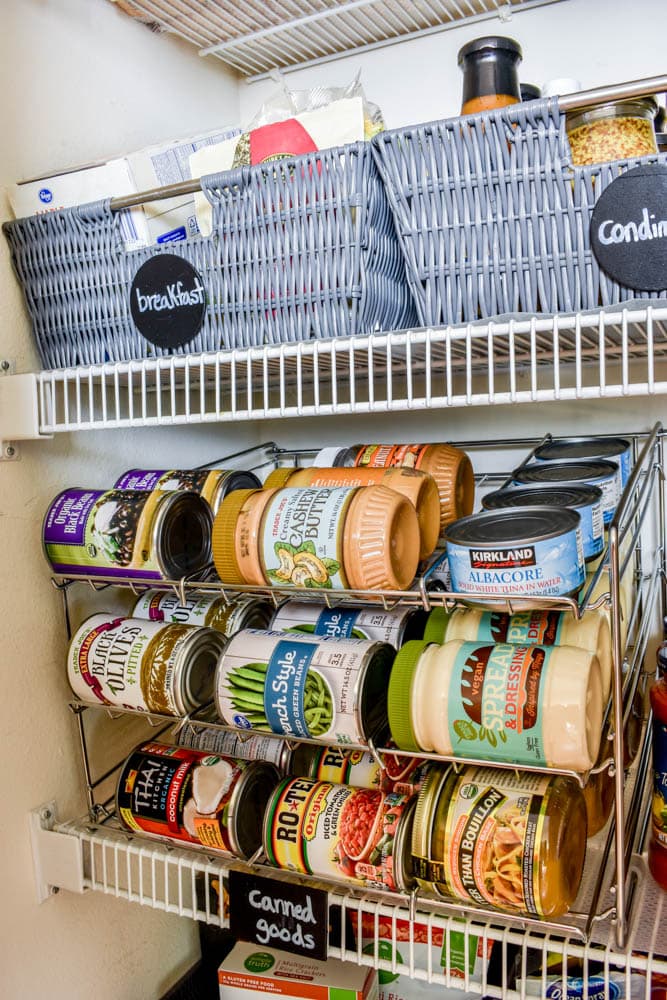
(251, 969)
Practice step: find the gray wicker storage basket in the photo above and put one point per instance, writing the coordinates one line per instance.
(300, 248)
(494, 218)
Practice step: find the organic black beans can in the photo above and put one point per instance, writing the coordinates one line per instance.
(142, 665)
(359, 835)
(304, 687)
(175, 793)
(127, 534)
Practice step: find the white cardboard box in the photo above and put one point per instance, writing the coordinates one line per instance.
(252, 969)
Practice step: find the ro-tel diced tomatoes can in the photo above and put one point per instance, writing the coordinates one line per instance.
(128, 534)
(144, 666)
(175, 793)
(359, 835)
(212, 484)
(401, 774)
(302, 687)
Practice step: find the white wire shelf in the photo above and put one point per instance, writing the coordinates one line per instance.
(254, 38)
(602, 354)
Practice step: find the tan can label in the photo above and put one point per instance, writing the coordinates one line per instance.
(334, 831)
(493, 830)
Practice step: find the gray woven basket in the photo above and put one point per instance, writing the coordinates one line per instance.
(493, 218)
(300, 248)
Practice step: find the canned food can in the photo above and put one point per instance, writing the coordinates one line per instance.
(577, 449)
(604, 475)
(395, 625)
(211, 484)
(403, 775)
(210, 610)
(141, 665)
(358, 835)
(525, 551)
(228, 744)
(175, 793)
(333, 690)
(586, 500)
(127, 533)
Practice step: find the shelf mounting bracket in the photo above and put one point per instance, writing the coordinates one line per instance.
(19, 410)
(57, 857)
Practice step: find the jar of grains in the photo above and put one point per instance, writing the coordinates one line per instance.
(619, 130)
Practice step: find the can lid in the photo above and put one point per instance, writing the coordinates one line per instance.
(436, 625)
(223, 541)
(381, 540)
(400, 692)
(517, 526)
(327, 457)
(565, 449)
(490, 43)
(558, 495)
(566, 472)
(279, 477)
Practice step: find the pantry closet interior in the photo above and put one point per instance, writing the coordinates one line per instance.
(83, 82)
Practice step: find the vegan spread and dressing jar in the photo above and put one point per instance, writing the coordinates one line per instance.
(358, 538)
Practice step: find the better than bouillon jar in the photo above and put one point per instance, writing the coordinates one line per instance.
(359, 835)
(514, 842)
(174, 793)
(128, 534)
(141, 665)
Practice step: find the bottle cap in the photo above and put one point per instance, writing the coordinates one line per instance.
(561, 85)
(489, 43)
(223, 541)
(400, 692)
(452, 470)
(436, 625)
(327, 457)
(380, 540)
(421, 490)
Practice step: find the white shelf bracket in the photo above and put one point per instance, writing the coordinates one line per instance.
(19, 410)
(57, 857)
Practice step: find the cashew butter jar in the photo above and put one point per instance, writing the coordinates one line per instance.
(534, 626)
(419, 487)
(516, 704)
(322, 538)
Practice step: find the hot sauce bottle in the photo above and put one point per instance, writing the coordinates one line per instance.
(657, 851)
(490, 73)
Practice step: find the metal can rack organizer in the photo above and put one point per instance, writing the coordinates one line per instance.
(607, 903)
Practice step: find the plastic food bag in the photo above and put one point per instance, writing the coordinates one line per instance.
(290, 123)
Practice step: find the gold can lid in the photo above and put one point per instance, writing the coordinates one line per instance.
(223, 540)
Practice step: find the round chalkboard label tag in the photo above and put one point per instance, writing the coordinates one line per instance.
(629, 229)
(168, 301)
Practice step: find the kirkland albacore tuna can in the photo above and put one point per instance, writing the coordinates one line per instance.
(175, 793)
(324, 689)
(578, 449)
(394, 625)
(141, 665)
(212, 484)
(605, 475)
(525, 551)
(586, 500)
(404, 775)
(360, 835)
(221, 741)
(127, 534)
(226, 616)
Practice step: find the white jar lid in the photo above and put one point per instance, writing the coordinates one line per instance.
(561, 85)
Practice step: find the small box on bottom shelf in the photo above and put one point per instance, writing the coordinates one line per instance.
(250, 969)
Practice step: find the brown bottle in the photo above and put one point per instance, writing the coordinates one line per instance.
(490, 73)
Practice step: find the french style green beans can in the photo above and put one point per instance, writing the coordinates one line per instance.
(305, 687)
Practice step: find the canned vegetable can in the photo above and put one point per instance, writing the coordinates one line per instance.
(175, 793)
(358, 835)
(211, 484)
(394, 625)
(221, 741)
(211, 610)
(333, 690)
(403, 775)
(127, 534)
(141, 665)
